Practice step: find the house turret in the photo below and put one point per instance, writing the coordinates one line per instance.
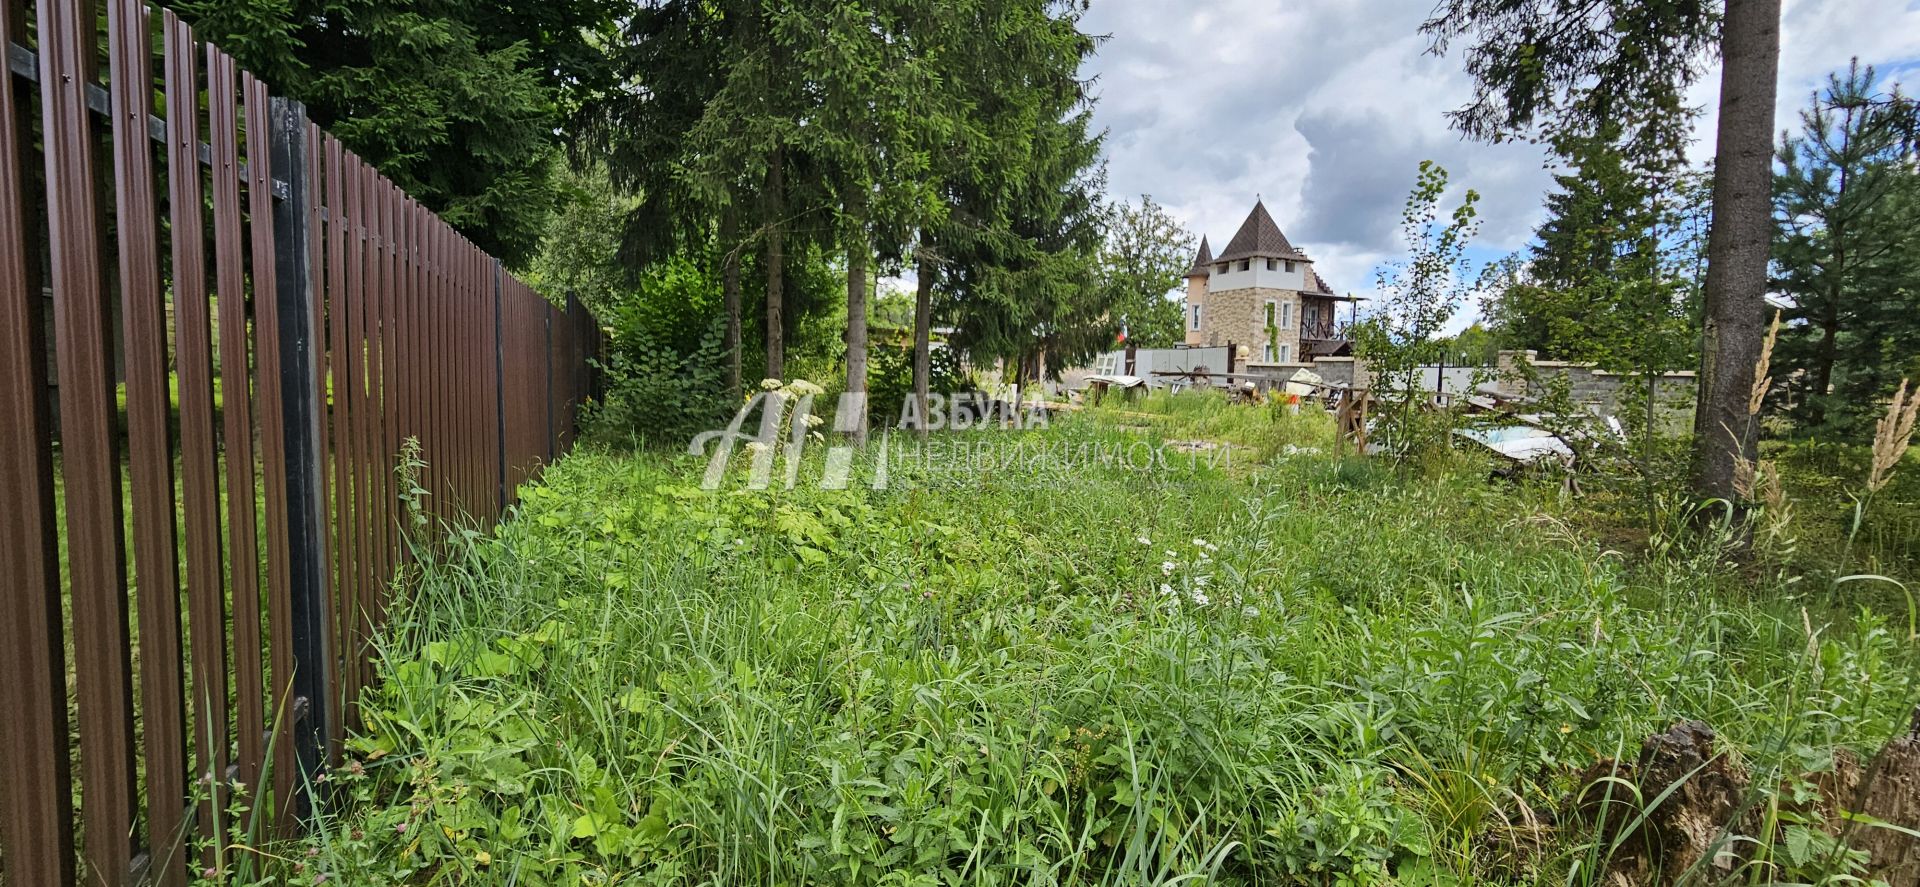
(1262, 292)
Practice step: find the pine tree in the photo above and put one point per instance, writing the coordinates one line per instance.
(1844, 247)
(457, 101)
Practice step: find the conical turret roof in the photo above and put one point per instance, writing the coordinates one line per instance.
(1201, 261)
(1260, 237)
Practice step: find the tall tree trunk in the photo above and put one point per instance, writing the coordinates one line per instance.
(1737, 246)
(776, 262)
(857, 257)
(1825, 353)
(922, 335)
(730, 293)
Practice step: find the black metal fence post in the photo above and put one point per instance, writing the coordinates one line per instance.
(300, 346)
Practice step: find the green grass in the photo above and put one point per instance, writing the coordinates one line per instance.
(1282, 670)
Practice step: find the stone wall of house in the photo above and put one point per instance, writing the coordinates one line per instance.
(1239, 316)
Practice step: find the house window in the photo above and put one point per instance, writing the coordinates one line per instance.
(1246, 264)
(1270, 314)
(1289, 267)
(1286, 315)
(1266, 354)
(1225, 267)
(1272, 265)
(1286, 354)
(1195, 323)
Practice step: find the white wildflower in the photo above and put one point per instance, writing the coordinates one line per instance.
(757, 446)
(1144, 541)
(1166, 568)
(804, 387)
(1249, 611)
(1200, 597)
(814, 421)
(1166, 590)
(770, 384)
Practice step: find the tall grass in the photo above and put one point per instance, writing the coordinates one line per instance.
(1283, 670)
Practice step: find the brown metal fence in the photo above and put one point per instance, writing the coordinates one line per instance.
(278, 319)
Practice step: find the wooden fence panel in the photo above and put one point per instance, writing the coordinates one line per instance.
(199, 464)
(343, 320)
(89, 448)
(250, 719)
(35, 783)
(143, 312)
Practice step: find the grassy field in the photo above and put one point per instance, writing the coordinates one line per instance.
(1024, 662)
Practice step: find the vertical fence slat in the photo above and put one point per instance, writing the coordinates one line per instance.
(341, 319)
(362, 280)
(318, 398)
(469, 375)
(36, 806)
(89, 451)
(150, 445)
(236, 407)
(199, 466)
(436, 353)
(377, 422)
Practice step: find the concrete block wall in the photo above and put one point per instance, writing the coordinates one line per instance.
(1610, 393)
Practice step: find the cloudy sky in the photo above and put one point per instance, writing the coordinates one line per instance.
(1326, 107)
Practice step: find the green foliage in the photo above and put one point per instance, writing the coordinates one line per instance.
(456, 101)
(666, 351)
(1291, 671)
(580, 250)
(953, 137)
(1573, 67)
(1609, 279)
(661, 396)
(890, 379)
(1418, 296)
(1145, 258)
(1474, 346)
(1847, 213)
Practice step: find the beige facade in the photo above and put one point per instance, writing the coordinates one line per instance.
(1196, 309)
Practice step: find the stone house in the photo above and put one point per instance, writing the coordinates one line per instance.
(1262, 294)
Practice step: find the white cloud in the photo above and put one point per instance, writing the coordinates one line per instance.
(1325, 108)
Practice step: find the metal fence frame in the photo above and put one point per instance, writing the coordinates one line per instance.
(345, 318)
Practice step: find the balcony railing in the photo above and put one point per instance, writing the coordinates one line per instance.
(1323, 330)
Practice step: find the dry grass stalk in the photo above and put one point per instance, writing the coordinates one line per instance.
(1743, 477)
(1763, 369)
(1892, 435)
(1743, 467)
